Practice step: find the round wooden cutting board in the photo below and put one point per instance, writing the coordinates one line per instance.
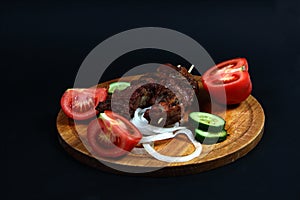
(244, 124)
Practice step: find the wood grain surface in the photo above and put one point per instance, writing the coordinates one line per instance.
(244, 123)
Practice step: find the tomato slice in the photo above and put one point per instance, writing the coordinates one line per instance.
(112, 135)
(79, 104)
(231, 76)
(103, 142)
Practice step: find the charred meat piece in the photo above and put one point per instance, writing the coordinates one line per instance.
(162, 115)
(170, 91)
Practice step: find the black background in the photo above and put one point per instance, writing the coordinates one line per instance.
(44, 43)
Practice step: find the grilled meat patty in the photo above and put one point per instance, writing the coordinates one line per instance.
(169, 91)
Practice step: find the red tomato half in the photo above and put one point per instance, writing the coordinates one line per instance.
(230, 78)
(79, 104)
(112, 135)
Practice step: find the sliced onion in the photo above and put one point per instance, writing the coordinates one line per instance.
(153, 138)
(146, 129)
(158, 156)
(153, 133)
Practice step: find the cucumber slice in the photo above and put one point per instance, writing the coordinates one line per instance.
(118, 86)
(207, 122)
(210, 138)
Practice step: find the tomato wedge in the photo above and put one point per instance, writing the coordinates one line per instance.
(231, 76)
(79, 104)
(112, 135)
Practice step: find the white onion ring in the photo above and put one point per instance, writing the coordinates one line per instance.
(153, 138)
(158, 156)
(146, 129)
(153, 133)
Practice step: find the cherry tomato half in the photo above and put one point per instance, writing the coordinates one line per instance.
(79, 104)
(230, 78)
(112, 135)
